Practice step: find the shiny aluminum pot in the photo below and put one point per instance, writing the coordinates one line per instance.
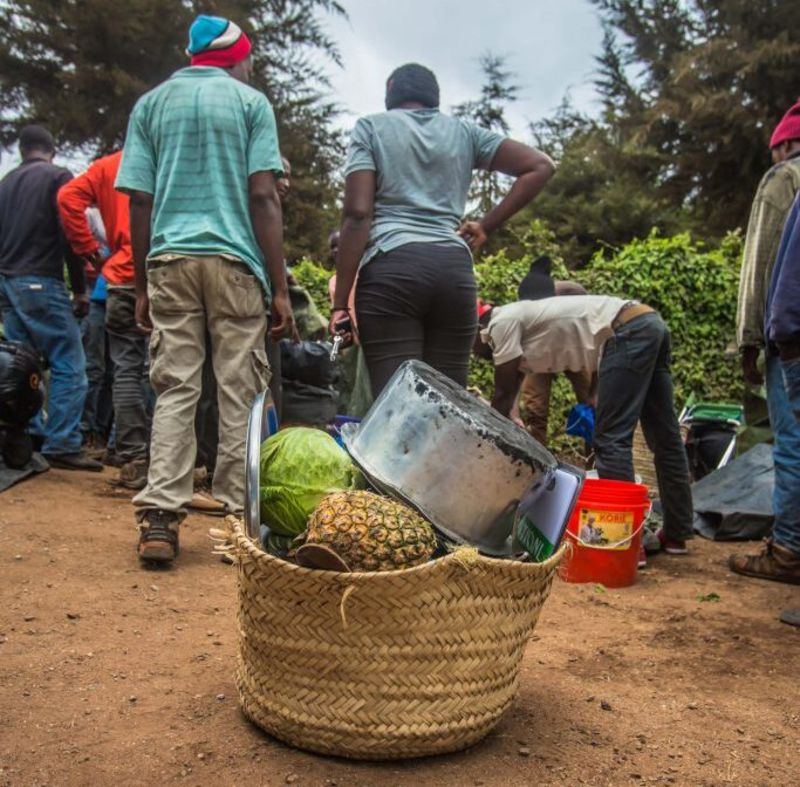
(262, 423)
(429, 442)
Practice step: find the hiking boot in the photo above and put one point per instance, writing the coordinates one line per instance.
(791, 616)
(76, 461)
(158, 536)
(203, 503)
(94, 446)
(133, 475)
(111, 458)
(773, 562)
(672, 546)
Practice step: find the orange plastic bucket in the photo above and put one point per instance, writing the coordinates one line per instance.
(606, 533)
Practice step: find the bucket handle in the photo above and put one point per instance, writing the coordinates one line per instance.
(626, 540)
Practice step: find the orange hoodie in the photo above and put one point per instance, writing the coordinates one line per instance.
(96, 187)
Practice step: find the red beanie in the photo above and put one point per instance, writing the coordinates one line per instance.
(788, 128)
(224, 58)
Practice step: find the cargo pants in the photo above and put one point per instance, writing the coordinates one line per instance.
(189, 296)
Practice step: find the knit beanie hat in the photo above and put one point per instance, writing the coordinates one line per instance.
(538, 283)
(214, 41)
(788, 128)
(412, 82)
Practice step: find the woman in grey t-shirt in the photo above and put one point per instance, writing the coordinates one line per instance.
(408, 174)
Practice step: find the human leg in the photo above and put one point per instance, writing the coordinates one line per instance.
(450, 319)
(392, 294)
(128, 354)
(534, 399)
(779, 558)
(177, 350)
(629, 358)
(662, 432)
(94, 348)
(237, 324)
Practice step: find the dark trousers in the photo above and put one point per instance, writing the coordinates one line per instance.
(634, 383)
(98, 410)
(417, 302)
(132, 390)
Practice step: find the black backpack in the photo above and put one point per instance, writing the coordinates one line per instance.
(21, 383)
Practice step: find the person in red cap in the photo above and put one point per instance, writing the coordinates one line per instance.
(771, 206)
(201, 164)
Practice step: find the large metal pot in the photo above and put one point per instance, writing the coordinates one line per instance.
(464, 466)
(262, 423)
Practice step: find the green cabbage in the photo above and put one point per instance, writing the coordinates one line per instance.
(299, 466)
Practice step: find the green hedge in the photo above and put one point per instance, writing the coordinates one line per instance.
(693, 287)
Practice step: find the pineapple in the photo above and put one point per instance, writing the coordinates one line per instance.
(370, 532)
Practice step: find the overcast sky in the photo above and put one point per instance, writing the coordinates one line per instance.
(550, 44)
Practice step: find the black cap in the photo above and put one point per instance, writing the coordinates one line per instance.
(538, 283)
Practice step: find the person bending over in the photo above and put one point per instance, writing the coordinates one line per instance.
(626, 345)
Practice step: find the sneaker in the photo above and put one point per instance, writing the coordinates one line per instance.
(642, 558)
(672, 546)
(158, 536)
(76, 461)
(773, 562)
(133, 475)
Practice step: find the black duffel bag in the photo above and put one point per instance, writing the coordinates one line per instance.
(308, 362)
(307, 405)
(21, 383)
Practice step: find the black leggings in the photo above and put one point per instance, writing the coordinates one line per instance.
(417, 302)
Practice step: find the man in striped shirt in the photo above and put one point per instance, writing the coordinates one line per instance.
(200, 164)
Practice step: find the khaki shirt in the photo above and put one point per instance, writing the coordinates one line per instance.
(771, 206)
(559, 334)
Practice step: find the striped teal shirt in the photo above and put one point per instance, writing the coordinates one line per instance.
(192, 143)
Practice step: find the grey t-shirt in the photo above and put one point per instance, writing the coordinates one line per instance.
(423, 162)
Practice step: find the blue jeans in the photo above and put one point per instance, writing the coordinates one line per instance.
(791, 381)
(37, 310)
(785, 451)
(634, 383)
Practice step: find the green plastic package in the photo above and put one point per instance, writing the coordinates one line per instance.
(299, 466)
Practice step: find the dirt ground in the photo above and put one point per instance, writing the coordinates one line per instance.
(111, 675)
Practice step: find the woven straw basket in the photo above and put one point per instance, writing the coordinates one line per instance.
(383, 665)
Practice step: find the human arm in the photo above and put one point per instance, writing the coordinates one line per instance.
(137, 178)
(359, 203)
(531, 170)
(784, 302)
(507, 380)
(75, 264)
(141, 214)
(768, 214)
(264, 165)
(267, 220)
(74, 198)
